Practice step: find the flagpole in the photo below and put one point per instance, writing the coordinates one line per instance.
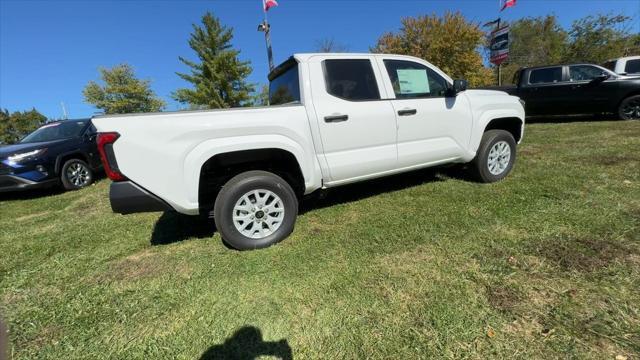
(264, 10)
(267, 36)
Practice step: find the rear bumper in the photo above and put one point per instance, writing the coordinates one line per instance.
(15, 183)
(127, 198)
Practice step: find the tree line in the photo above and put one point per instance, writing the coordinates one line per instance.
(593, 39)
(218, 78)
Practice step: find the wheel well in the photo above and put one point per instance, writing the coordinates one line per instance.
(65, 158)
(512, 125)
(626, 96)
(219, 169)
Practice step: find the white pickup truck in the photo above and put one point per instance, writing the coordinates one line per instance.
(334, 119)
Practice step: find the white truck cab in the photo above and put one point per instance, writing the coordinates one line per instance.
(334, 119)
(629, 65)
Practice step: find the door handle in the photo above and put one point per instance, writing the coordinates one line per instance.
(336, 118)
(407, 112)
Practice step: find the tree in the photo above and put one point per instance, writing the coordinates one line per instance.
(535, 41)
(18, 124)
(4, 126)
(598, 38)
(330, 45)
(122, 92)
(449, 42)
(220, 78)
(542, 41)
(261, 98)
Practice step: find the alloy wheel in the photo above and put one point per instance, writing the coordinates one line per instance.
(499, 157)
(631, 110)
(78, 174)
(258, 213)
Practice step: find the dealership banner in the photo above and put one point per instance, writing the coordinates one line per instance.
(499, 47)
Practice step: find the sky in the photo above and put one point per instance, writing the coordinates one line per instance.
(50, 50)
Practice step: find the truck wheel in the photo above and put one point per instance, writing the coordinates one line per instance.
(254, 210)
(630, 108)
(496, 156)
(76, 174)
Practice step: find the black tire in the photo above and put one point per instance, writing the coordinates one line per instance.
(480, 164)
(629, 108)
(76, 174)
(233, 191)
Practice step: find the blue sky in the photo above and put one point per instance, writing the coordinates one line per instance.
(49, 50)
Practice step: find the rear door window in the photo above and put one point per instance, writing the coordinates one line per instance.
(632, 67)
(546, 75)
(351, 79)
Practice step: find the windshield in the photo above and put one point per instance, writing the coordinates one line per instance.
(285, 88)
(56, 131)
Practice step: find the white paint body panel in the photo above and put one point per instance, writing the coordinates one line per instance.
(621, 64)
(367, 138)
(164, 152)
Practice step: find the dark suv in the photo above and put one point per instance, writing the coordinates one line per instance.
(61, 152)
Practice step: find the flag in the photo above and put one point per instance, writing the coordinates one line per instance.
(268, 4)
(508, 4)
(491, 23)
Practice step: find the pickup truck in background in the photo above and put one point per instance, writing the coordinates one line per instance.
(629, 65)
(577, 89)
(334, 119)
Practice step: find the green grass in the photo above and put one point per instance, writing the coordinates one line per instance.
(545, 264)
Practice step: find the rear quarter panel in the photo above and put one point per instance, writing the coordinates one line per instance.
(164, 152)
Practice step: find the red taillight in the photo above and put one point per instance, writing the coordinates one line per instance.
(105, 147)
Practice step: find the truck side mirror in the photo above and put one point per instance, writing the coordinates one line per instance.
(458, 86)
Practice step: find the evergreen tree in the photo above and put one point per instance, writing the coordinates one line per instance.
(219, 77)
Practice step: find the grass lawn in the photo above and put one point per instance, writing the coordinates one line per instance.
(545, 264)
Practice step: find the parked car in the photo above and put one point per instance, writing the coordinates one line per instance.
(61, 152)
(624, 66)
(335, 119)
(576, 89)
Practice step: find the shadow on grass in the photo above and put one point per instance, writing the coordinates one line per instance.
(362, 190)
(31, 193)
(563, 119)
(49, 190)
(247, 344)
(173, 227)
